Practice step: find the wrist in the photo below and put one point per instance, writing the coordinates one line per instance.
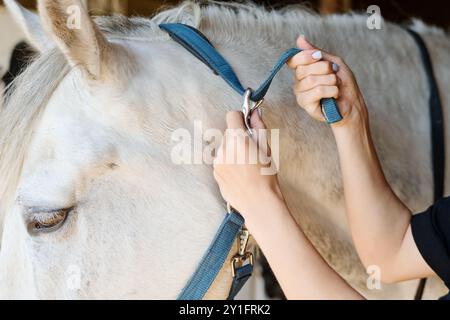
(262, 212)
(358, 118)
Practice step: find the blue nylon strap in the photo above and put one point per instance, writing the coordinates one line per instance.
(242, 275)
(330, 110)
(196, 43)
(260, 93)
(214, 258)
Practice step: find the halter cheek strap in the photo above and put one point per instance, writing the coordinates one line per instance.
(213, 260)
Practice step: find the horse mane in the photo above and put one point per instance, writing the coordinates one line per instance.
(224, 21)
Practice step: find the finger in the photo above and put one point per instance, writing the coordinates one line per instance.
(260, 133)
(335, 59)
(315, 69)
(313, 96)
(235, 120)
(258, 128)
(336, 62)
(313, 81)
(304, 58)
(234, 134)
(304, 44)
(256, 122)
(315, 111)
(312, 107)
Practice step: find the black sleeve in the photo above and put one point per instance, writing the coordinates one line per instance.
(431, 232)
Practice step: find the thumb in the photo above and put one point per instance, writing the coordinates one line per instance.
(304, 44)
(259, 132)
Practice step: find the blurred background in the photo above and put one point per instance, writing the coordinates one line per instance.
(434, 12)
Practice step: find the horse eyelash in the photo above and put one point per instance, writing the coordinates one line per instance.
(45, 216)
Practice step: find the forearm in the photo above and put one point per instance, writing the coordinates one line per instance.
(378, 219)
(300, 270)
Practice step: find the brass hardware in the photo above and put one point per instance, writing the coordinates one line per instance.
(242, 255)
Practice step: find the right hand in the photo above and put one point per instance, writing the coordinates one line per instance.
(321, 75)
(245, 183)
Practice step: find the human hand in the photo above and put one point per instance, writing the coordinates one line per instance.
(320, 75)
(239, 167)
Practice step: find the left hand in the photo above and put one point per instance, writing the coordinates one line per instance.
(241, 181)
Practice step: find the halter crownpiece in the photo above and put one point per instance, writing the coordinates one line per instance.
(197, 44)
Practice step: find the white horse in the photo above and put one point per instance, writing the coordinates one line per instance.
(93, 206)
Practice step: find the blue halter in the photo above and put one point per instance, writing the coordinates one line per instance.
(214, 259)
(197, 44)
(232, 226)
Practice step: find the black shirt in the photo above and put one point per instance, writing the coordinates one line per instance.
(431, 232)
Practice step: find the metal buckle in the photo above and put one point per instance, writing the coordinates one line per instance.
(241, 260)
(248, 106)
(242, 255)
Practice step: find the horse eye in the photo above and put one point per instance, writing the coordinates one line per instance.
(47, 221)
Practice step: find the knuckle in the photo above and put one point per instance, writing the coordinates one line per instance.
(306, 83)
(299, 73)
(319, 66)
(333, 79)
(335, 90)
(297, 59)
(311, 108)
(290, 63)
(319, 91)
(311, 81)
(339, 60)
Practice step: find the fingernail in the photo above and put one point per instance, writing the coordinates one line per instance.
(302, 36)
(260, 112)
(335, 67)
(317, 55)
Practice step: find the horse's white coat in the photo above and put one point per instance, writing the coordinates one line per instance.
(141, 224)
